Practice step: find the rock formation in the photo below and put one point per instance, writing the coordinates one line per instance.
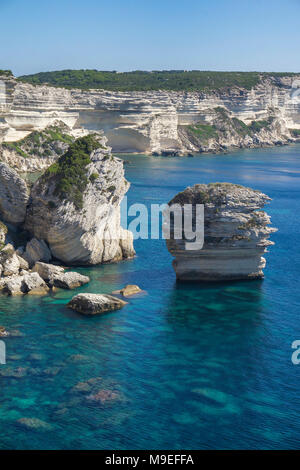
(39, 149)
(154, 121)
(14, 196)
(93, 304)
(236, 234)
(75, 205)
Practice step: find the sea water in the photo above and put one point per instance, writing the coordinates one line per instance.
(182, 366)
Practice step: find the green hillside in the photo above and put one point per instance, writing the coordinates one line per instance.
(177, 80)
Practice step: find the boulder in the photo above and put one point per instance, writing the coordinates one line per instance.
(69, 280)
(11, 265)
(128, 290)
(14, 195)
(33, 284)
(236, 234)
(48, 271)
(93, 304)
(37, 250)
(12, 285)
(29, 283)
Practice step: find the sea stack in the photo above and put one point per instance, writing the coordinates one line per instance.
(236, 234)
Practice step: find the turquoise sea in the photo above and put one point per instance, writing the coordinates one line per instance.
(184, 366)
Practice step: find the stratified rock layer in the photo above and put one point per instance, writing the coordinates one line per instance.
(89, 234)
(154, 121)
(235, 234)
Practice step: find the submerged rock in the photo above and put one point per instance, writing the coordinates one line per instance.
(75, 205)
(105, 397)
(235, 234)
(128, 290)
(14, 195)
(93, 304)
(34, 424)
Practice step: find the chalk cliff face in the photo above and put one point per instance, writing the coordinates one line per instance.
(235, 234)
(85, 228)
(154, 121)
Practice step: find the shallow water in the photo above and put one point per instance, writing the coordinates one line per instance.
(184, 366)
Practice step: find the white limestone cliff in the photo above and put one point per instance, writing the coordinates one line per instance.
(147, 122)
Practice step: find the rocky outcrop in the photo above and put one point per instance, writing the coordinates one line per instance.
(152, 121)
(93, 304)
(75, 205)
(221, 131)
(40, 148)
(55, 276)
(236, 234)
(17, 279)
(14, 196)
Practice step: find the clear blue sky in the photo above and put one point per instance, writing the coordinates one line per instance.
(149, 35)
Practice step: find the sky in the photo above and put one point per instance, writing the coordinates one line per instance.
(124, 35)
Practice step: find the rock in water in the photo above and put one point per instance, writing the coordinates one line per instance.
(75, 205)
(70, 280)
(14, 195)
(92, 304)
(235, 234)
(129, 290)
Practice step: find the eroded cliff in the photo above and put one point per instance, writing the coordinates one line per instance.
(155, 121)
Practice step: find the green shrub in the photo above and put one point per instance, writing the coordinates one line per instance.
(93, 177)
(70, 170)
(204, 131)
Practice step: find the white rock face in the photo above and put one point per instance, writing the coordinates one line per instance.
(14, 195)
(89, 235)
(142, 121)
(235, 234)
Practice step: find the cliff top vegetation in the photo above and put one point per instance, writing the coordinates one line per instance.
(177, 80)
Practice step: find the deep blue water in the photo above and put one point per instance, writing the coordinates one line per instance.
(190, 366)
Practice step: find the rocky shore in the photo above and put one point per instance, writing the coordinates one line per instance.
(236, 234)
